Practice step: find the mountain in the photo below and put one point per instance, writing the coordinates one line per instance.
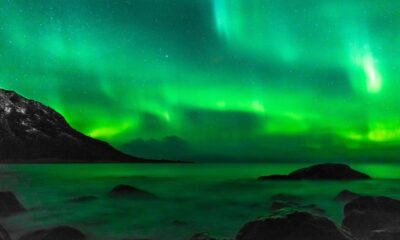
(33, 132)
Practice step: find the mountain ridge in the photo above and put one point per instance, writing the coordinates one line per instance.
(33, 132)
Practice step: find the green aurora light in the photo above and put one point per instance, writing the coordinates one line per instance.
(233, 79)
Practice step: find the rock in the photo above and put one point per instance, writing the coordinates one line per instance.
(294, 226)
(82, 199)
(202, 236)
(388, 234)
(366, 214)
(4, 234)
(58, 233)
(346, 196)
(9, 204)
(129, 191)
(328, 171)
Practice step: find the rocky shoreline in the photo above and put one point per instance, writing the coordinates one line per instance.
(365, 217)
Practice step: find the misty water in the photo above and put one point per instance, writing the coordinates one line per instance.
(192, 198)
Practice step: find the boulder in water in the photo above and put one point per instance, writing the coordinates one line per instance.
(294, 226)
(365, 215)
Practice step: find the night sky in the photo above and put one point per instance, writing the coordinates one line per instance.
(214, 80)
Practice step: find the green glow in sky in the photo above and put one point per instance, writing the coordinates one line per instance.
(229, 79)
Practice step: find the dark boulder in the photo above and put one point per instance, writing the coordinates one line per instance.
(364, 215)
(294, 226)
(4, 234)
(58, 233)
(130, 191)
(328, 171)
(346, 196)
(9, 204)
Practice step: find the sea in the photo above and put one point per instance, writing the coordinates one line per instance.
(191, 198)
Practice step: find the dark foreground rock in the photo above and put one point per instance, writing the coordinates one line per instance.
(4, 234)
(58, 233)
(130, 191)
(9, 204)
(366, 216)
(328, 171)
(346, 196)
(295, 226)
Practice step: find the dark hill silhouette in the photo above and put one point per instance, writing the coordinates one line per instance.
(33, 132)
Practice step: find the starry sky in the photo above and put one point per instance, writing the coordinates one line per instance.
(214, 80)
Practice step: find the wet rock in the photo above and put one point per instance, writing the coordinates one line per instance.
(202, 236)
(365, 215)
(294, 226)
(4, 234)
(58, 233)
(82, 199)
(130, 191)
(9, 204)
(328, 171)
(346, 196)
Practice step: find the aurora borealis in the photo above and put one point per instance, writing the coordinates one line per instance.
(214, 79)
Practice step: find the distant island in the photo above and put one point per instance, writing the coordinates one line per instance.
(31, 132)
(326, 171)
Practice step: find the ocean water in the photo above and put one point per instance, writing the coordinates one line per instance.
(192, 198)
